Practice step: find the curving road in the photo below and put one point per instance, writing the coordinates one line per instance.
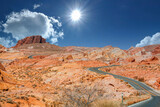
(154, 101)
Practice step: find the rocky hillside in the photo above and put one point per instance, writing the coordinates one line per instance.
(150, 49)
(2, 48)
(154, 49)
(36, 45)
(6, 79)
(39, 73)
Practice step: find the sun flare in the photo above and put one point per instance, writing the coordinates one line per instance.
(75, 15)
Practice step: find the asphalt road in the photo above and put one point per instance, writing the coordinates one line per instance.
(154, 101)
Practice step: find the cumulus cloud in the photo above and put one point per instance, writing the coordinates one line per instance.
(149, 40)
(35, 6)
(7, 42)
(54, 40)
(26, 23)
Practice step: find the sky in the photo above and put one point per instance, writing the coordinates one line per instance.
(119, 23)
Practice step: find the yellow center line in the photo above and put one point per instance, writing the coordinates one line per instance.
(140, 86)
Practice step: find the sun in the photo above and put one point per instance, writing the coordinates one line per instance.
(75, 15)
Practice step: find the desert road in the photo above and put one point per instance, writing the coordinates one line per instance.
(154, 101)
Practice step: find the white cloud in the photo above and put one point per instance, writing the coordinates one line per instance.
(60, 34)
(35, 6)
(148, 40)
(54, 40)
(7, 42)
(26, 23)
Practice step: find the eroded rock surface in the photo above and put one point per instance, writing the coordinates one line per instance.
(37, 73)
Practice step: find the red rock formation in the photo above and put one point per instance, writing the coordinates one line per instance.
(155, 49)
(6, 80)
(2, 67)
(137, 51)
(157, 83)
(30, 40)
(2, 49)
(131, 59)
(69, 57)
(153, 58)
(39, 56)
(148, 60)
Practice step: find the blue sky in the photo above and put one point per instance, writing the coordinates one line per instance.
(120, 23)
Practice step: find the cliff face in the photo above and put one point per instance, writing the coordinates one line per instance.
(30, 40)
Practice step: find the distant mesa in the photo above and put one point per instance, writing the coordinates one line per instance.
(30, 40)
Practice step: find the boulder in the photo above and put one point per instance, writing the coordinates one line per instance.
(131, 59)
(153, 58)
(69, 57)
(157, 83)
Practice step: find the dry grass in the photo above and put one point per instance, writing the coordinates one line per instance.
(107, 103)
(136, 99)
(117, 103)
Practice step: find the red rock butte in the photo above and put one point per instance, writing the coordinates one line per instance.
(30, 40)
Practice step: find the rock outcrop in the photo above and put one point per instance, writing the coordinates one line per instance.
(30, 40)
(2, 49)
(6, 80)
(157, 83)
(131, 59)
(2, 67)
(146, 50)
(154, 49)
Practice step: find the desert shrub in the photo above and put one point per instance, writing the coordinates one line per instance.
(107, 103)
(17, 97)
(82, 96)
(141, 79)
(127, 84)
(9, 100)
(135, 77)
(43, 100)
(33, 96)
(24, 98)
(34, 85)
(2, 96)
(1, 100)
